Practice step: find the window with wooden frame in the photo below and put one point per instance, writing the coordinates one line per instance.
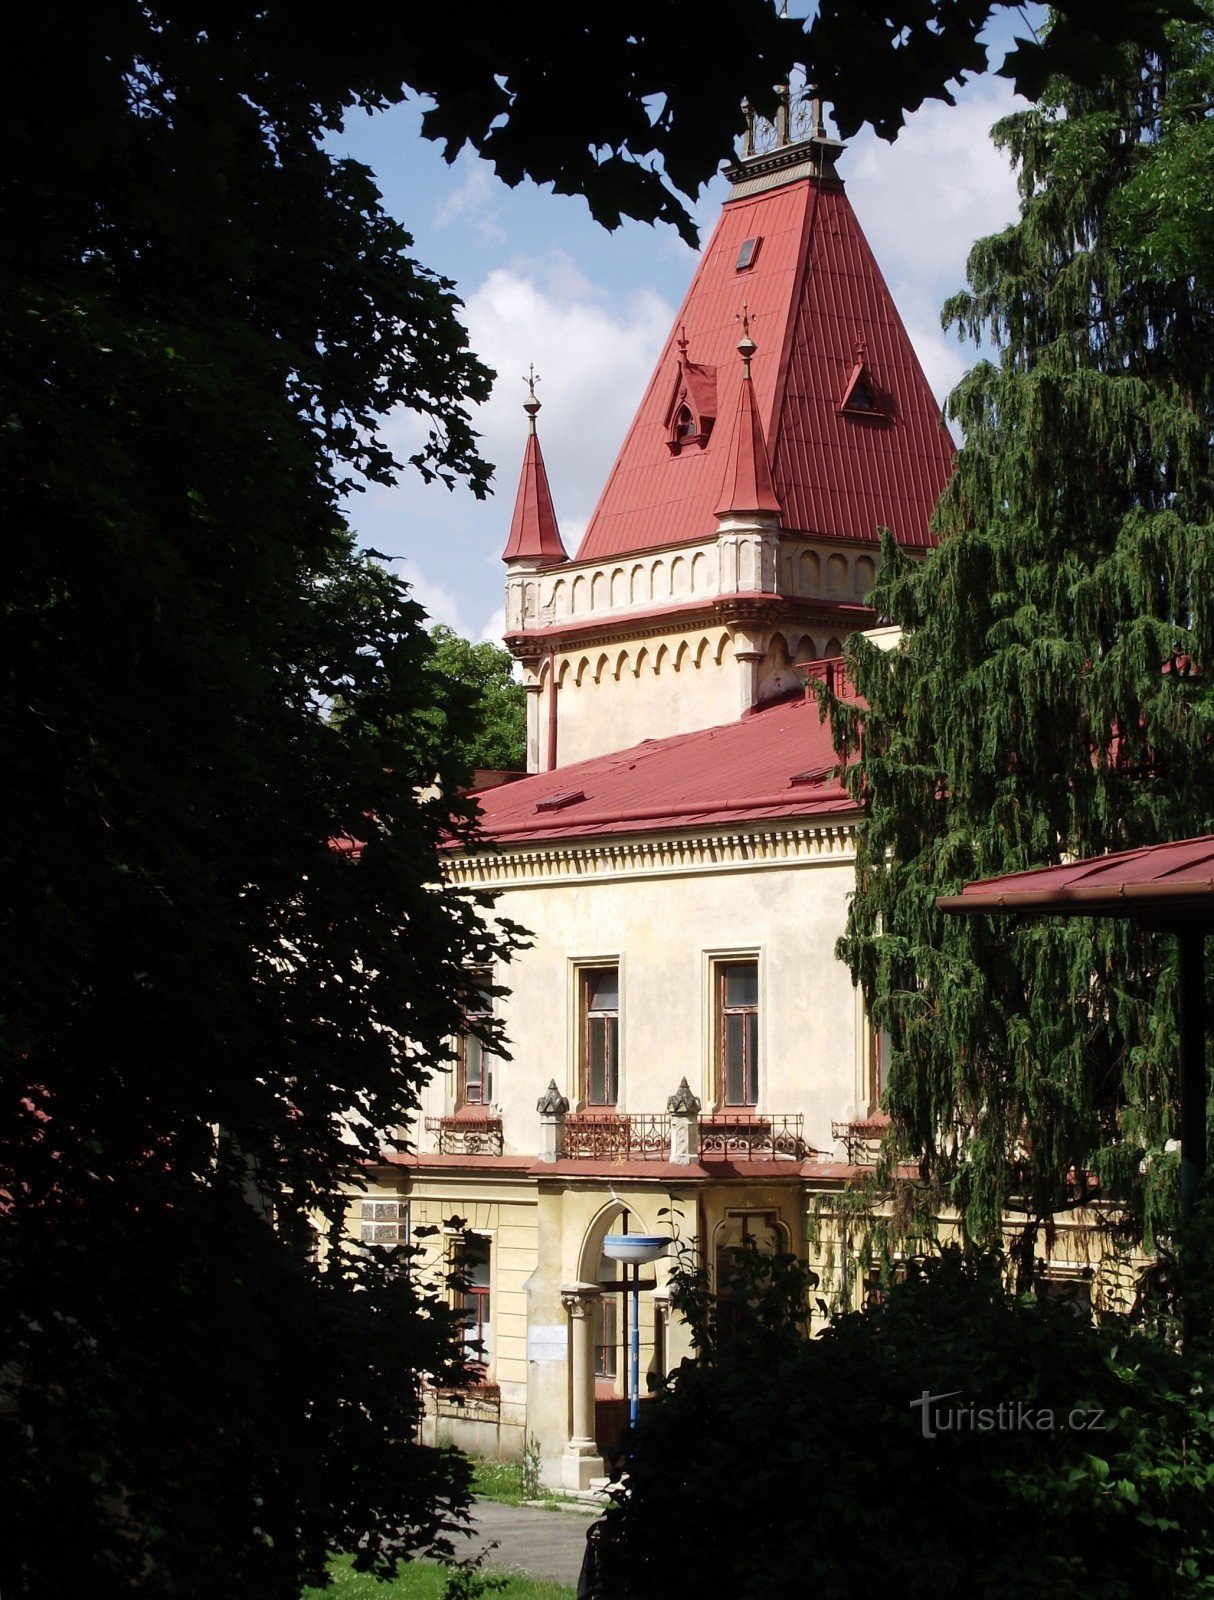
(736, 994)
(473, 1259)
(876, 1068)
(599, 1005)
(607, 1336)
(474, 1073)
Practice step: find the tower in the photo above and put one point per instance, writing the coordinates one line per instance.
(682, 607)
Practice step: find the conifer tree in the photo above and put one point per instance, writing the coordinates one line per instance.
(1051, 697)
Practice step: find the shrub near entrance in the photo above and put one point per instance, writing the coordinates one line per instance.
(947, 1439)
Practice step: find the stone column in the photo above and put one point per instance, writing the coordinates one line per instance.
(534, 690)
(749, 648)
(684, 1110)
(581, 1461)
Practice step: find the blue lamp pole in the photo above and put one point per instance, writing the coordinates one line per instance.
(631, 1249)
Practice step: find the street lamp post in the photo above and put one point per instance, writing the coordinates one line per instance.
(632, 1249)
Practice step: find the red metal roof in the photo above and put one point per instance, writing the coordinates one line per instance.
(1157, 880)
(747, 484)
(742, 771)
(533, 529)
(818, 308)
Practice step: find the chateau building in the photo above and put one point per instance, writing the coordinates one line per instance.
(687, 1054)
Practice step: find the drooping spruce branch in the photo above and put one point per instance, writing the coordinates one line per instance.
(1051, 697)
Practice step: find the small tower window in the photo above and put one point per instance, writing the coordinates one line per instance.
(684, 424)
(748, 253)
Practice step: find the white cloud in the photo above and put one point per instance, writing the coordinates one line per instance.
(440, 604)
(922, 203)
(592, 361)
(473, 201)
(495, 627)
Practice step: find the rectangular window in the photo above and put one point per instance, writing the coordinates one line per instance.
(600, 1028)
(606, 1335)
(475, 1079)
(473, 1298)
(876, 1068)
(737, 995)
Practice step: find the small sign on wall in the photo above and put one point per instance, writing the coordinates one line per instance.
(547, 1341)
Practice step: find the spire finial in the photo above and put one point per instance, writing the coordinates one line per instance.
(531, 405)
(682, 340)
(746, 345)
(816, 118)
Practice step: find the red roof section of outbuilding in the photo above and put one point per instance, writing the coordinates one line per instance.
(818, 307)
(774, 763)
(533, 529)
(1152, 880)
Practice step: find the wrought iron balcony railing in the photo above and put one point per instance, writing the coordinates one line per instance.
(616, 1136)
(753, 1135)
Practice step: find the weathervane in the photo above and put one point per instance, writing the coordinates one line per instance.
(531, 405)
(746, 345)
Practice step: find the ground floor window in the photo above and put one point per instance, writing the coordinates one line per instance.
(607, 1336)
(473, 1297)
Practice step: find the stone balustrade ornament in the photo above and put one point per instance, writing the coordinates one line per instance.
(682, 1102)
(552, 1102)
(553, 1109)
(684, 1109)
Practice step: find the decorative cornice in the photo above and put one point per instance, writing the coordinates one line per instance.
(715, 611)
(745, 848)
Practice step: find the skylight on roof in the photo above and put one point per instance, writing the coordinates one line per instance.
(748, 253)
(558, 802)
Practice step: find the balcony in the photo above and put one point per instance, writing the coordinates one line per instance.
(616, 1136)
(472, 1131)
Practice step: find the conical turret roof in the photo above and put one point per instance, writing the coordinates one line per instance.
(854, 434)
(533, 528)
(747, 485)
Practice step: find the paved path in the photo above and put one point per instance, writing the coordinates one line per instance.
(544, 1544)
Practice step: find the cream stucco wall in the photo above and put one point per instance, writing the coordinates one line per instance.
(651, 644)
(663, 910)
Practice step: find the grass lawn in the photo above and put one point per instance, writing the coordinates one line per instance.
(503, 1481)
(424, 1580)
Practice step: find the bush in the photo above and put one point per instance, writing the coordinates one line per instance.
(1055, 1457)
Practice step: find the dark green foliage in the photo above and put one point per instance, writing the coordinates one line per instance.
(498, 704)
(207, 1014)
(773, 1467)
(1052, 697)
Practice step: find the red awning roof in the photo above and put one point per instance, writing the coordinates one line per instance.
(743, 771)
(818, 309)
(1164, 883)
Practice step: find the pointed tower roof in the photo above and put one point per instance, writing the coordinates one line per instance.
(747, 486)
(533, 530)
(789, 244)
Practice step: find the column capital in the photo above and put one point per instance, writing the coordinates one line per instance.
(578, 1297)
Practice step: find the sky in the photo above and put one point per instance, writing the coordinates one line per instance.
(542, 283)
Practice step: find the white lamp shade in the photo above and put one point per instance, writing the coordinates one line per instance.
(635, 1247)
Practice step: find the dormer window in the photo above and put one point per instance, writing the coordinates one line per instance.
(693, 407)
(860, 397)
